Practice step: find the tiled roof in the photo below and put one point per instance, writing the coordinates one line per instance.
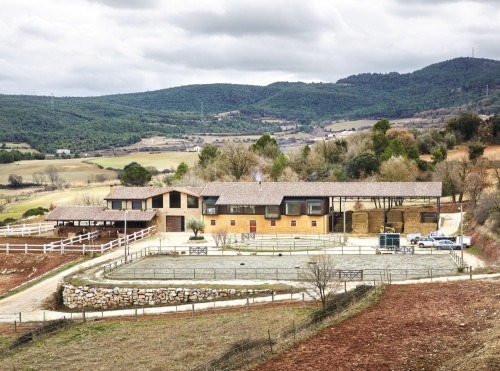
(272, 193)
(143, 193)
(97, 213)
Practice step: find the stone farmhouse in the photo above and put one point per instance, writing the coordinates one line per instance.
(248, 207)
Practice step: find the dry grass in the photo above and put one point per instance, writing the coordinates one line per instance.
(167, 343)
(160, 160)
(74, 170)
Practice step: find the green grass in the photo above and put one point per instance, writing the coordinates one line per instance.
(72, 196)
(161, 160)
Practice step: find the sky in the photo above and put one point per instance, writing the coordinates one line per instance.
(101, 47)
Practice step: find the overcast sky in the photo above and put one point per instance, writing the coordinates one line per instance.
(97, 47)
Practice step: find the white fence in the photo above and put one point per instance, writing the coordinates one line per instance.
(26, 229)
(68, 245)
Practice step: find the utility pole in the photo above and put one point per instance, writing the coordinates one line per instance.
(461, 235)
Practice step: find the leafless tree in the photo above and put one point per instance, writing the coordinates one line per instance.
(221, 237)
(320, 278)
(39, 179)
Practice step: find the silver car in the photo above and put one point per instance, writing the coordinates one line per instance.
(446, 245)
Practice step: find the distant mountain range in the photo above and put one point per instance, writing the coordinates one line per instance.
(90, 123)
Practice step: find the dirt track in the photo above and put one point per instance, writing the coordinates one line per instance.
(413, 327)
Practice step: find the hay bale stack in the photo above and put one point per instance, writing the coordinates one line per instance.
(395, 216)
(360, 228)
(360, 217)
(398, 227)
(411, 217)
(360, 222)
(339, 222)
(376, 219)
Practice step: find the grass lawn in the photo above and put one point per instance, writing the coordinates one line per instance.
(170, 342)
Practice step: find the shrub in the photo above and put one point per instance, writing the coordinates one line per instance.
(35, 211)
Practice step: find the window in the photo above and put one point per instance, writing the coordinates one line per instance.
(313, 223)
(233, 222)
(293, 223)
(240, 209)
(314, 207)
(136, 205)
(292, 208)
(116, 205)
(209, 208)
(175, 200)
(272, 212)
(273, 223)
(157, 202)
(212, 221)
(193, 202)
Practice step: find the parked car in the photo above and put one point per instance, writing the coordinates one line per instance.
(426, 242)
(446, 245)
(413, 238)
(466, 240)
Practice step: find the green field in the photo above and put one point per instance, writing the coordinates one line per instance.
(160, 160)
(73, 196)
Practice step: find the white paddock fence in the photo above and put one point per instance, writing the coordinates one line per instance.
(74, 244)
(26, 229)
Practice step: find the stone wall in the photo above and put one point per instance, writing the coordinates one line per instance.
(103, 298)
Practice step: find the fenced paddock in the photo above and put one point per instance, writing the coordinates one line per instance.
(26, 229)
(76, 244)
(282, 242)
(245, 267)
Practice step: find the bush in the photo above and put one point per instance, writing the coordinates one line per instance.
(34, 212)
(196, 238)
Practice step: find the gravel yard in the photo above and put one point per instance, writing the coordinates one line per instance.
(282, 267)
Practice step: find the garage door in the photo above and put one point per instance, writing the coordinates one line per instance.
(175, 224)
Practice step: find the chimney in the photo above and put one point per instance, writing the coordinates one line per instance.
(260, 185)
(111, 189)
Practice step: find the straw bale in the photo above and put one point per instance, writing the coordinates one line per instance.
(395, 216)
(360, 227)
(376, 214)
(360, 217)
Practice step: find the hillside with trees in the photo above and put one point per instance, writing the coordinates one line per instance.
(91, 123)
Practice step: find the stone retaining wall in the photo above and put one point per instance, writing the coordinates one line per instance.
(102, 298)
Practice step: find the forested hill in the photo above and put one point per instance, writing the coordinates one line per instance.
(114, 120)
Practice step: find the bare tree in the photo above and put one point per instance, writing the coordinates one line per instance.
(320, 278)
(39, 179)
(221, 237)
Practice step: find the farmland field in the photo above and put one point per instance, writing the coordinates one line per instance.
(160, 160)
(74, 171)
(72, 196)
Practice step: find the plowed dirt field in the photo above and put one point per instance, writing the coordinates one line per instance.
(439, 326)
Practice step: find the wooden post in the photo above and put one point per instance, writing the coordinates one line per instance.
(270, 341)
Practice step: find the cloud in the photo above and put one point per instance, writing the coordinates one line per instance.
(95, 47)
(127, 4)
(256, 19)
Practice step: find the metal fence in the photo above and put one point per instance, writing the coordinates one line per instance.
(252, 351)
(283, 242)
(279, 274)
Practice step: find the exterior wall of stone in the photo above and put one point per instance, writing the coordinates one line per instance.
(303, 224)
(78, 297)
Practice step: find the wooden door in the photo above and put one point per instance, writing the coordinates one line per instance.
(253, 226)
